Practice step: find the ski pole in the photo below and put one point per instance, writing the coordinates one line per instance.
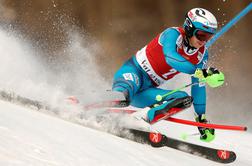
(212, 80)
(230, 24)
(184, 136)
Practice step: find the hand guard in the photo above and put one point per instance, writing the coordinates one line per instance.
(215, 78)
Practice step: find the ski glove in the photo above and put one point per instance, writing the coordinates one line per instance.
(203, 73)
(200, 73)
(206, 134)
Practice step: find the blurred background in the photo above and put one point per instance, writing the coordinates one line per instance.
(119, 28)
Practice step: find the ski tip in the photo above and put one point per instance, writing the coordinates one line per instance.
(245, 128)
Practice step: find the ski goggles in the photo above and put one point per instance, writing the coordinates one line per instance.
(203, 36)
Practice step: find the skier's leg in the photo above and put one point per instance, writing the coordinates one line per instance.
(147, 97)
(127, 80)
(181, 102)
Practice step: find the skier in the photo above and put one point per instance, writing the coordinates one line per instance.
(176, 50)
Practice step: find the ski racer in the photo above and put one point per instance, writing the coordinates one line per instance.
(175, 50)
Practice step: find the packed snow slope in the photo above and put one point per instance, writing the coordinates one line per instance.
(28, 137)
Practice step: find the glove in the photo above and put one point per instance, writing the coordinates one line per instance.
(203, 73)
(215, 78)
(206, 134)
(200, 73)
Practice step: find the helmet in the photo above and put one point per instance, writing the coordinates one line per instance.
(201, 23)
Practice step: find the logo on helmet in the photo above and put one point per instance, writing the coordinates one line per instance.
(190, 15)
(213, 24)
(200, 13)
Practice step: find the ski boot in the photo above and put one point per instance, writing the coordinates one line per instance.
(206, 134)
(165, 106)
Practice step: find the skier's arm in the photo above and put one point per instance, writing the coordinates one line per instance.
(168, 40)
(198, 91)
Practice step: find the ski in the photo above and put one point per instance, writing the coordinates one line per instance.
(104, 104)
(159, 140)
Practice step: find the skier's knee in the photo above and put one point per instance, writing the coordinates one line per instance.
(125, 87)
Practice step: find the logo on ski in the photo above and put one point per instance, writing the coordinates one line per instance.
(223, 154)
(155, 137)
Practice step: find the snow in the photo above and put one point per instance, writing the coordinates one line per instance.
(29, 137)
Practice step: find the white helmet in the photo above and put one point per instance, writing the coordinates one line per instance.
(199, 19)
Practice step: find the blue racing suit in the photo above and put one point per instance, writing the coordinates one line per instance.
(164, 57)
